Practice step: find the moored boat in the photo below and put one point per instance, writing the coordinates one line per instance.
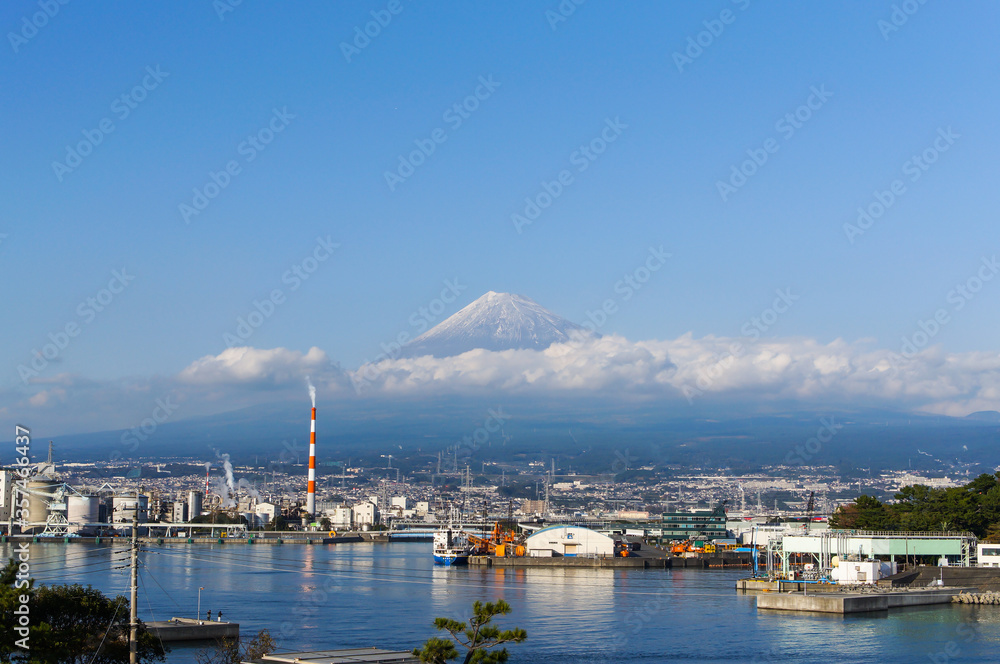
(451, 547)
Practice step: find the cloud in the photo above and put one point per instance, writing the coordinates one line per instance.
(253, 366)
(592, 364)
(235, 378)
(716, 372)
(712, 369)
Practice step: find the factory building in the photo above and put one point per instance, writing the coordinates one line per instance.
(340, 517)
(6, 494)
(989, 555)
(265, 512)
(569, 541)
(365, 514)
(699, 524)
(123, 508)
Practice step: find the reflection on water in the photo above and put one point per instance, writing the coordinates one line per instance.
(351, 595)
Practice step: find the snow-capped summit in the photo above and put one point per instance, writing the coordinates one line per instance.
(496, 321)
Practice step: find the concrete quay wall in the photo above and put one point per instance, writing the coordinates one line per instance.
(844, 603)
(569, 561)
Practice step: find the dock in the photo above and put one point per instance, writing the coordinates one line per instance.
(571, 561)
(844, 603)
(189, 629)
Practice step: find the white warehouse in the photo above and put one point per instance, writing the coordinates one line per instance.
(569, 541)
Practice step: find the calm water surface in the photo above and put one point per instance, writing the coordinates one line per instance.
(387, 595)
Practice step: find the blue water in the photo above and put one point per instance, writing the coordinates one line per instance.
(387, 595)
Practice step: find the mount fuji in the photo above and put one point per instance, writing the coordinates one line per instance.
(496, 321)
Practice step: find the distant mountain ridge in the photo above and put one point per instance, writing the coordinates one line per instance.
(496, 322)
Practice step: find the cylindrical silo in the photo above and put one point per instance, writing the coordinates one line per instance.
(82, 510)
(40, 494)
(194, 504)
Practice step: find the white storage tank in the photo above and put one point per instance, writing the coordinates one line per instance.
(82, 510)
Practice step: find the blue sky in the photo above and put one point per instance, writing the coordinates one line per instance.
(323, 175)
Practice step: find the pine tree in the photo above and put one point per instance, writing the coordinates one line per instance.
(477, 637)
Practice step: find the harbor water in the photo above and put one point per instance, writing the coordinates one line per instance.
(387, 595)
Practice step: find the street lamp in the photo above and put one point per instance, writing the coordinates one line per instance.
(196, 616)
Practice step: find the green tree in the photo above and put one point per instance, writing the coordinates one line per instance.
(867, 513)
(234, 651)
(279, 522)
(477, 637)
(72, 624)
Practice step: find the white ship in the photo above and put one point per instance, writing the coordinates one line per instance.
(451, 547)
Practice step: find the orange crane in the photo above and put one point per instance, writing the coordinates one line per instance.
(500, 542)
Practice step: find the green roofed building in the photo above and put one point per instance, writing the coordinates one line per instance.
(696, 525)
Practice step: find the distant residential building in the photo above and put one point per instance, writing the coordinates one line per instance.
(533, 507)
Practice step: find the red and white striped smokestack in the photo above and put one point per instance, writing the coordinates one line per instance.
(311, 491)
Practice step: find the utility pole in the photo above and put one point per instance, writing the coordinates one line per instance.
(133, 655)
